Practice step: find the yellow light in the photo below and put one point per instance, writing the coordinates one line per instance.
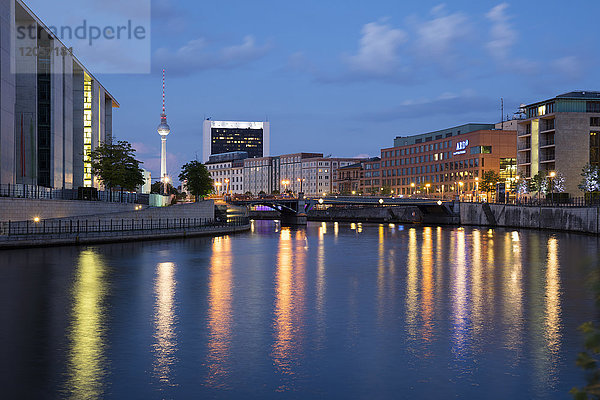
(428, 185)
(461, 183)
(552, 174)
(439, 202)
(412, 184)
(36, 219)
(353, 192)
(324, 194)
(320, 201)
(380, 201)
(476, 179)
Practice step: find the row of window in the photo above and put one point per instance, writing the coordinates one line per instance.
(424, 169)
(417, 149)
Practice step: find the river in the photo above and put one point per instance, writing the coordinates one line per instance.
(327, 311)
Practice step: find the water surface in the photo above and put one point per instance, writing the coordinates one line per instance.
(328, 311)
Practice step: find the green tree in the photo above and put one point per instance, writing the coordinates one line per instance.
(197, 179)
(157, 188)
(115, 166)
(589, 360)
(488, 182)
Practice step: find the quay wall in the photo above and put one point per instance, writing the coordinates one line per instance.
(573, 219)
(27, 209)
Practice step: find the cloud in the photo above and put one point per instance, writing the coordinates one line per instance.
(199, 54)
(437, 37)
(503, 36)
(378, 50)
(445, 104)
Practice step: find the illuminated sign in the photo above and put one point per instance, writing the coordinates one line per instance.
(461, 147)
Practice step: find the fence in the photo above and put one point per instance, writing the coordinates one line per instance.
(534, 202)
(23, 191)
(98, 227)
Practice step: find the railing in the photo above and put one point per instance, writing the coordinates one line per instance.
(23, 191)
(524, 146)
(547, 143)
(547, 157)
(550, 202)
(107, 227)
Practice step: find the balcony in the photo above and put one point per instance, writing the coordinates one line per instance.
(546, 143)
(526, 132)
(524, 146)
(524, 160)
(547, 157)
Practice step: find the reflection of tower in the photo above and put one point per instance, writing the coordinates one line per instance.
(163, 131)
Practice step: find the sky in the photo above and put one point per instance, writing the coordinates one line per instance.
(337, 77)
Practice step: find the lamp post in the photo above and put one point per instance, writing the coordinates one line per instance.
(552, 175)
(300, 180)
(460, 185)
(285, 183)
(412, 188)
(226, 186)
(218, 185)
(477, 188)
(165, 184)
(517, 187)
(427, 186)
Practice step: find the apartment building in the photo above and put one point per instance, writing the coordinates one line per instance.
(261, 174)
(320, 174)
(291, 170)
(360, 178)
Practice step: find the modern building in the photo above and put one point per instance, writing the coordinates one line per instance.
(220, 137)
(53, 111)
(291, 170)
(227, 172)
(146, 188)
(261, 175)
(561, 134)
(448, 162)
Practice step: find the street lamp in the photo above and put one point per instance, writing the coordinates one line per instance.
(552, 175)
(460, 186)
(285, 183)
(300, 180)
(165, 183)
(427, 186)
(477, 188)
(226, 185)
(412, 185)
(218, 185)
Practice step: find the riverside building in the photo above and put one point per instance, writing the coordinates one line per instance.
(53, 111)
(561, 134)
(220, 137)
(227, 172)
(448, 162)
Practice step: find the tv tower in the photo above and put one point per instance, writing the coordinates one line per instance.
(163, 131)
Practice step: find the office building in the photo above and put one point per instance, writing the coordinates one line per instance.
(320, 174)
(53, 111)
(561, 134)
(448, 162)
(227, 172)
(291, 170)
(220, 137)
(261, 175)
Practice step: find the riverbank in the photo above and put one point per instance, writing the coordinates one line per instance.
(75, 239)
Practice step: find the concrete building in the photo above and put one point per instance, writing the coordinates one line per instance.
(448, 162)
(53, 111)
(291, 170)
(561, 134)
(227, 172)
(220, 137)
(146, 188)
(261, 174)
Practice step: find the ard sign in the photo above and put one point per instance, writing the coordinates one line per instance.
(461, 147)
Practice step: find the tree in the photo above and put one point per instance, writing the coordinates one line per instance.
(489, 179)
(157, 188)
(538, 183)
(589, 360)
(115, 166)
(591, 179)
(197, 179)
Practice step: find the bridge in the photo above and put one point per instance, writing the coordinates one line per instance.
(294, 210)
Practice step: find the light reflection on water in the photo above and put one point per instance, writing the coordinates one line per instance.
(351, 310)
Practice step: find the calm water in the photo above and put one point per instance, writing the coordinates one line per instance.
(328, 311)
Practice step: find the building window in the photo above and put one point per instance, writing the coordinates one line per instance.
(595, 148)
(593, 106)
(595, 121)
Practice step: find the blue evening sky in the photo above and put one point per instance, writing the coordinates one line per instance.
(344, 78)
